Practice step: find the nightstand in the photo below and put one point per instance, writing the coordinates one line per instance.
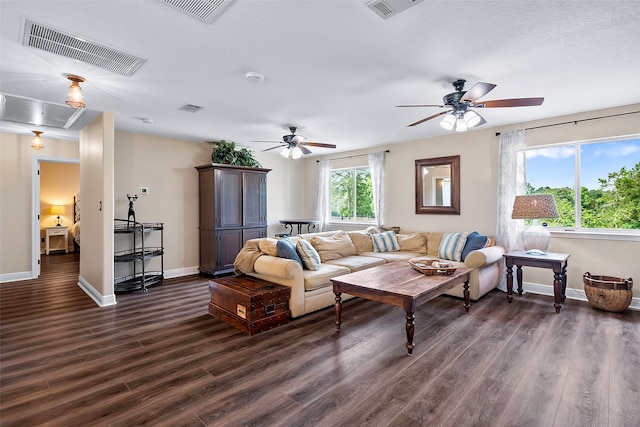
(62, 232)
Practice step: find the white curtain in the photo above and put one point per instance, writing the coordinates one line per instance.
(376, 166)
(511, 182)
(323, 194)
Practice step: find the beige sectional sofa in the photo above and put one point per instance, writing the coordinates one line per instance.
(312, 290)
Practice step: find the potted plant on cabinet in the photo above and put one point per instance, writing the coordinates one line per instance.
(225, 152)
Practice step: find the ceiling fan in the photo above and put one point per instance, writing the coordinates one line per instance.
(296, 145)
(460, 105)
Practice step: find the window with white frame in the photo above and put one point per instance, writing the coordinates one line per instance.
(352, 195)
(607, 172)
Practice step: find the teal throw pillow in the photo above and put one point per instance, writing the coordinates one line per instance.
(308, 254)
(475, 241)
(385, 242)
(451, 246)
(285, 248)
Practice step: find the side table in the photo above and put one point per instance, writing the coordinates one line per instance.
(61, 231)
(556, 262)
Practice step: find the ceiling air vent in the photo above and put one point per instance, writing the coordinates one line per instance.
(40, 113)
(54, 41)
(190, 108)
(388, 8)
(203, 10)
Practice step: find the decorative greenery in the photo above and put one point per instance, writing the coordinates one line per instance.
(225, 152)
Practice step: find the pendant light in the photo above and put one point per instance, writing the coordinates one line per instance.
(74, 99)
(36, 143)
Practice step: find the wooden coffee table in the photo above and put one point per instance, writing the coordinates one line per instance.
(398, 284)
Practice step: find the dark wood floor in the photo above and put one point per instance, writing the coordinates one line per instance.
(158, 358)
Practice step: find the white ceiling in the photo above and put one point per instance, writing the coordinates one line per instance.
(333, 68)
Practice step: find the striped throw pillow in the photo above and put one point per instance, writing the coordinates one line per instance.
(385, 242)
(451, 246)
(308, 254)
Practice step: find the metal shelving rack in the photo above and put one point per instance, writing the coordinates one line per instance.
(138, 254)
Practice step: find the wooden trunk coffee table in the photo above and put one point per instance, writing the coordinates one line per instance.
(398, 284)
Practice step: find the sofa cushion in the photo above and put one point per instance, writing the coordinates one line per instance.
(393, 256)
(415, 242)
(475, 241)
(321, 277)
(361, 240)
(433, 243)
(268, 246)
(308, 255)
(337, 246)
(452, 245)
(385, 242)
(287, 249)
(357, 262)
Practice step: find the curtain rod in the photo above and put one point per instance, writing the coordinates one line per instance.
(350, 157)
(575, 122)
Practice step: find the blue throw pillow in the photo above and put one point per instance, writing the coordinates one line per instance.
(475, 241)
(287, 249)
(385, 242)
(451, 246)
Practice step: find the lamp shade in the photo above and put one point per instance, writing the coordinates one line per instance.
(36, 143)
(534, 206)
(58, 210)
(74, 98)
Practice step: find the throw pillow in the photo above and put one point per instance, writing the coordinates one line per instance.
(385, 242)
(415, 242)
(362, 241)
(287, 249)
(475, 241)
(337, 246)
(308, 255)
(268, 246)
(451, 246)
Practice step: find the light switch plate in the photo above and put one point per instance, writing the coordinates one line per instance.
(144, 190)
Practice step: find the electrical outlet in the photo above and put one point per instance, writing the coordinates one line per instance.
(144, 190)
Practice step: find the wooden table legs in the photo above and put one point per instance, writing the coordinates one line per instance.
(338, 307)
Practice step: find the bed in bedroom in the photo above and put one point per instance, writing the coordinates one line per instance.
(75, 228)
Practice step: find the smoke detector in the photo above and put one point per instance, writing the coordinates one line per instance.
(253, 77)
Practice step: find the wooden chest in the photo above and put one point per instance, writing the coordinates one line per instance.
(249, 304)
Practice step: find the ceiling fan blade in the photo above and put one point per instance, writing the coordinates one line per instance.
(476, 91)
(304, 149)
(429, 118)
(319, 144)
(517, 102)
(276, 147)
(421, 105)
(298, 138)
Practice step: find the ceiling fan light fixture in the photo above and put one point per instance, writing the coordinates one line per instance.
(36, 143)
(285, 152)
(471, 118)
(296, 153)
(461, 125)
(74, 99)
(448, 122)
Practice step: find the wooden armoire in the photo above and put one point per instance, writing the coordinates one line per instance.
(233, 209)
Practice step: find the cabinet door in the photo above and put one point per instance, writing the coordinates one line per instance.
(228, 198)
(208, 251)
(207, 201)
(254, 233)
(255, 198)
(229, 243)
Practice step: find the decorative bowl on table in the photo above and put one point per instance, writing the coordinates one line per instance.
(431, 267)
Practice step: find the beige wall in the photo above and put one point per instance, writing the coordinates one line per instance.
(59, 182)
(17, 160)
(478, 152)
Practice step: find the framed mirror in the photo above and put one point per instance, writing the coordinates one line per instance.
(438, 185)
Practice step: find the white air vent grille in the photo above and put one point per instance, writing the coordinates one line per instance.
(203, 10)
(35, 112)
(190, 108)
(54, 41)
(388, 8)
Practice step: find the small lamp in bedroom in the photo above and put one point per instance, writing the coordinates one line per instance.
(535, 206)
(58, 210)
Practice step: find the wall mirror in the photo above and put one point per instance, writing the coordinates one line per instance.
(438, 185)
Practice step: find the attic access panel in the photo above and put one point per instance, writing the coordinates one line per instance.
(39, 113)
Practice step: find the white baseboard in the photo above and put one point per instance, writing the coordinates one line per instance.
(14, 277)
(179, 272)
(570, 293)
(101, 300)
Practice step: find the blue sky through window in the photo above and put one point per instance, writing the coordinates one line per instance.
(555, 167)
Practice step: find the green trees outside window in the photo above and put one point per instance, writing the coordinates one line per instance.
(351, 195)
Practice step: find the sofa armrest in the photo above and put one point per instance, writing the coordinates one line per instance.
(285, 272)
(483, 257)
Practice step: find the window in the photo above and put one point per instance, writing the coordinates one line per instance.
(607, 172)
(351, 195)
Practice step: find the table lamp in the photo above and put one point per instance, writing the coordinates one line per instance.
(535, 206)
(58, 210)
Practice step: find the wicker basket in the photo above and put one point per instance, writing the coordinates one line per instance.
(608, 293)
(427, 267)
